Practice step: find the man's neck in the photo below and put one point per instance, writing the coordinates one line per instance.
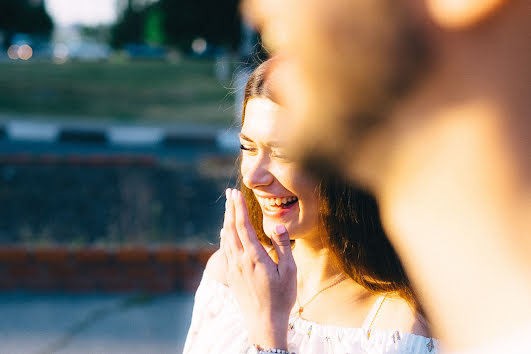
(453, 190)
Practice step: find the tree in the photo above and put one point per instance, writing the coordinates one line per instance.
(24, 16)
(178, 23)
(218, 22)
(129, 28)
(153, 28)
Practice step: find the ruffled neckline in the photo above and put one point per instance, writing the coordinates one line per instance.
(325, 330)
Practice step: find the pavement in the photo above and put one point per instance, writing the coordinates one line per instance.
(37, 323)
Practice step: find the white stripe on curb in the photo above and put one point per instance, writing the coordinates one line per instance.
(32, 131)
(225, 139)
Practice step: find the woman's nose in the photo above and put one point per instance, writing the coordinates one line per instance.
(256, 173)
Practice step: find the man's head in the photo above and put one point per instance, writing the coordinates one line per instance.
(425, 102)
(350, 65)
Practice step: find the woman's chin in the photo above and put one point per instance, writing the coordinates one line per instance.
(269, 228)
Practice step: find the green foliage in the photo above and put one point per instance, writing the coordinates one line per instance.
(178, 23)
(157, 91)
(154, 31)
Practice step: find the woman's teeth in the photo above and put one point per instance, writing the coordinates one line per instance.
(278, 201)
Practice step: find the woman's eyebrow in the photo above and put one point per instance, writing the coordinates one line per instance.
(273, 144)
(245, 137)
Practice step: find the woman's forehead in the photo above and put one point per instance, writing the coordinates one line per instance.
(263, 120)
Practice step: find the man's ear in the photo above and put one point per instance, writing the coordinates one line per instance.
(461, 14)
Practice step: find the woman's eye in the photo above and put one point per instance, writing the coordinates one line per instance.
(246, 148)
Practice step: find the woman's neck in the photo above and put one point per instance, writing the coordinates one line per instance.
(315, 263)
(316, 266)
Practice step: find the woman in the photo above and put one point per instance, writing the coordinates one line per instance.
(304, 263)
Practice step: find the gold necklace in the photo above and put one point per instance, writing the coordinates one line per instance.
(338, 279)
(369, 329)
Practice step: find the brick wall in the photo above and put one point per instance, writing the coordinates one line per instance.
(96, 269)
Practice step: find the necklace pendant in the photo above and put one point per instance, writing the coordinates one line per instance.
(300, 311)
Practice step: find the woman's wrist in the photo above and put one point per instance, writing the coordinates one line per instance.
(265, 341)
(274, 334)
(253, 349)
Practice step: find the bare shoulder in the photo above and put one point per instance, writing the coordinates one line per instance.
(397, 314)
(216, 268)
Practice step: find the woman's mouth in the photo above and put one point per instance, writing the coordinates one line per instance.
(277, 204)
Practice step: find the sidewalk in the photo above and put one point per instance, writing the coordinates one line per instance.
(34, 323)
(97, 301)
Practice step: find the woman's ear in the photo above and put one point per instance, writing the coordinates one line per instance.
(461, 14)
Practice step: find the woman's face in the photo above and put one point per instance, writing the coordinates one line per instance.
(285, 194)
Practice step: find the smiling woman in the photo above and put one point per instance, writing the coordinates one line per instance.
(337, 285)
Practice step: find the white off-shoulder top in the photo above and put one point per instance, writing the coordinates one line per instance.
(218, 327)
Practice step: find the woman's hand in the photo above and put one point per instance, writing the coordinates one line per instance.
(266, 291)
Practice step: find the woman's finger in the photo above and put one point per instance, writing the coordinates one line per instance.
(222, 247)
(225, 248)
(222, 240)
(225, 221)
(229, 227)
(281, 242)
(246, 233)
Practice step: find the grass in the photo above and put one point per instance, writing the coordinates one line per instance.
(187, 91)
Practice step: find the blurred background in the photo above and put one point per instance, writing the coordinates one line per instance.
(118, 123)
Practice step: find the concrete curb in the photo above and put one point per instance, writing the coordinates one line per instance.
(120, 135)
(123, 270)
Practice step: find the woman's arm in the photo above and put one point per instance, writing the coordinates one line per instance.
(203, 333)
(266, 291)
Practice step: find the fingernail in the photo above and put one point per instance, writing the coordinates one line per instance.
(227, 193)
(234, 194)
(280, 229)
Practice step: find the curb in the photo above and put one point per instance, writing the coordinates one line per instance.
(123, 270)
(225, 140)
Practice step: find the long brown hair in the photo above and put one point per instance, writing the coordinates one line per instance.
(349, 218)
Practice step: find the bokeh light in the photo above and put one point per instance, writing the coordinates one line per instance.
(199, 46)
(12, 52)
(25, 52)
(60, 53)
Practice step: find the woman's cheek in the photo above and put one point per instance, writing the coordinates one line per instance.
(244, 169)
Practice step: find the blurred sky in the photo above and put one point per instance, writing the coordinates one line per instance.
(86, 12)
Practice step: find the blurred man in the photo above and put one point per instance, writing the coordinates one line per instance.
(426, 103)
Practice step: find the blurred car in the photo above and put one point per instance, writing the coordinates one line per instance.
(87, 50)
(145, 51)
